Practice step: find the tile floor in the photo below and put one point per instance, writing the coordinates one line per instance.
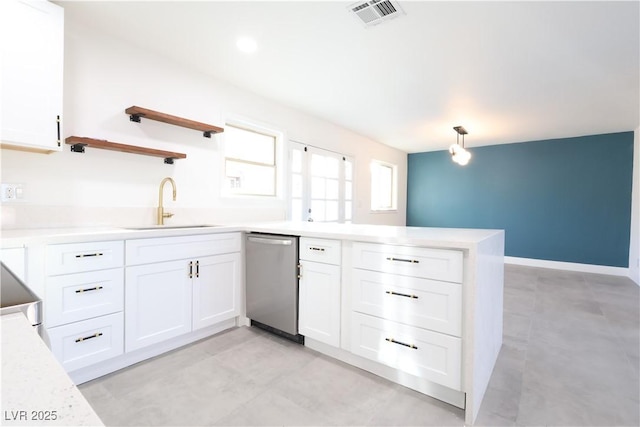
(571, 356)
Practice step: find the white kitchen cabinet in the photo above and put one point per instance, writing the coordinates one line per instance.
(175, 285)
(88, 342)
(429, 304)
(319, 290)
(429, 263)
(158, 249)
(407, 310)
(89, 256)
(416, 351)
(216, 289)
(83, 302)
(157, 303)
(32, 74)
(79, 296)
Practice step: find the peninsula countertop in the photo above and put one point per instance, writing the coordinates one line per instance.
(35, 388)
(420, 236)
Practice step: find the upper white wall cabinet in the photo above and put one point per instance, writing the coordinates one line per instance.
(32, 32)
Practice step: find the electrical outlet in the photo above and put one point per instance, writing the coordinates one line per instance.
(12, 192)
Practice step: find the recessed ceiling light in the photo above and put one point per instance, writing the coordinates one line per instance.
(246, 44)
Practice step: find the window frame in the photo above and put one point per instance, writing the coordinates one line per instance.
(394, 187)
(259, 128)
(306, 177)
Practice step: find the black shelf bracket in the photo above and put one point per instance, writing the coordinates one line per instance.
(78, 148)
(135, 118)
(207, 134)
(169, 160)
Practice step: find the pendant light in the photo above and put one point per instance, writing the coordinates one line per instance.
(458, 153)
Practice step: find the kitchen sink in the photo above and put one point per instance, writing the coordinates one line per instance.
(171, 227)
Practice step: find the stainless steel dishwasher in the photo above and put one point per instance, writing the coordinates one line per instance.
(272, 283)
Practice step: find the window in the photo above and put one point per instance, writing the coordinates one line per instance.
(384, 177)
(321, 185)
(250, 166)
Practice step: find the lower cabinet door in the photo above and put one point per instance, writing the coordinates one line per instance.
(157, 303)
(430, 355)
(319, 302)
(216, 289)
(85, 343)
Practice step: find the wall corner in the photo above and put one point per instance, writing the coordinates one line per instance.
(634, 238)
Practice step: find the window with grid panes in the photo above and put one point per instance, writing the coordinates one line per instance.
(250, 166)
(321, 185)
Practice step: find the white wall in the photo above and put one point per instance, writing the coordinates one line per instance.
(634, 247)
(104, 76)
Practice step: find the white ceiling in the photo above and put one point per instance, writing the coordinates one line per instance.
(506, 71)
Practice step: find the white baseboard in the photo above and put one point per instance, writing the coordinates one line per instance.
(571, 266)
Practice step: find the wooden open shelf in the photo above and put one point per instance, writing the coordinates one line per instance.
(135, 113)
(79, 142)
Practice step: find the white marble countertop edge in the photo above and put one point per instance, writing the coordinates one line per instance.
(420, 236)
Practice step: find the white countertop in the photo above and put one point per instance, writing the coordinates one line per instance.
(34, 382)
(419, 236)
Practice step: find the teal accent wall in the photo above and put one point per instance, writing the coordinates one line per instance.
(562, 200)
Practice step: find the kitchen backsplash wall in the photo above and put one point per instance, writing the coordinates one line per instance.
(38, 216)
(104, 76)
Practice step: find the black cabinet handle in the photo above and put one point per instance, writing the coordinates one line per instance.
(402, 295)
(97, 254)
(401, 343)
(95, 288)
(58, 125)
(411, 261)
(96, 335)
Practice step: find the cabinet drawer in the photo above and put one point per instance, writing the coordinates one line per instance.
(320, 250)
(426, 354)
(77, 257)
(416, 302)
(81, 344)
(146, 251)
(80, 296)
(438, 264)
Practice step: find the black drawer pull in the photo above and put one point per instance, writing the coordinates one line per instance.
(312, 248)
(401, 343)
(402, 295)
(58, 127)
(96, 335)
(190, 269)
(411, 261)
(89, 255)
(197, 268)
(95, 288)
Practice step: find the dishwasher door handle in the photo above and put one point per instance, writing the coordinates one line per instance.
(281, 242)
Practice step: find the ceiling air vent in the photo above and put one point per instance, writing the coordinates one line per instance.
(374, 12)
